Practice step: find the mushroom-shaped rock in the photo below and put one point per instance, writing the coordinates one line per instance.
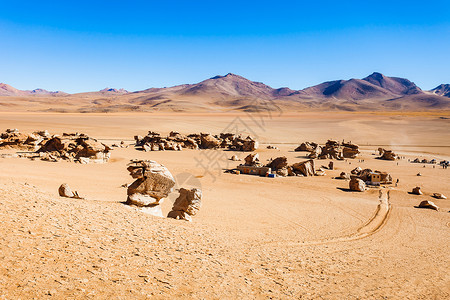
(187, 204)
(439, 196)
(417, 191)
(357, 185)
(428, 204)
(153, 183)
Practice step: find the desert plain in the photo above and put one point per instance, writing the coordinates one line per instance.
(254, 237)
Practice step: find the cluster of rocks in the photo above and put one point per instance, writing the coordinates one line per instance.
(360, 178)
(76, 147)
(331, 150)
(13, 138)
(280, 167)
(153, 184)
(70, 146)
(387, 154)
(175, 141)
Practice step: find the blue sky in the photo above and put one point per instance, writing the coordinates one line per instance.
(77, 46)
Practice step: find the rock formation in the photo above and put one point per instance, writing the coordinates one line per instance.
(439, 196)
(278, 163)
(387, 154)
(306, 146)
(252, 160)
(356, 184)
(65, 191)
(175, 141)
(417, 191)
(428, 204)
(350, 150)
(153, 183)
(186, 205)
(305, 168)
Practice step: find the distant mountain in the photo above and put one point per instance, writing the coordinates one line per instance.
(113, 91)
(374, 86)
(395, 85)
(232, 92)
(7, 90)
(232, 85)
(442, 90)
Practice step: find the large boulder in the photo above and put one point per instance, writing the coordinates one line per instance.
(306, 146)
(187, 204)
(153, 183)
(350, 150)
(278, 163)
(305, 168)
(356, 184)
(388, 155)
(209, 142)
(252, 159)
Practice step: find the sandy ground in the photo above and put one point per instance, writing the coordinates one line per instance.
(254, 237)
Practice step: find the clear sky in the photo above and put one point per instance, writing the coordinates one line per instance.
(77, 46)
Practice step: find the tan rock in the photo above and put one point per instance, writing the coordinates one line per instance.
(417, 191)
(428, 204)
(357, 185)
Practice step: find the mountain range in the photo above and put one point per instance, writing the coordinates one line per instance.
(234, 92)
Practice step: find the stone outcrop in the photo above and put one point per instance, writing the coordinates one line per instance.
(350, 150)
(428, 204)
(187, 204)
(252, 160)
(417, 191)
(306, 146)
(356, 184)
(278, 163)
(74, 147)
(387, 154)
(153, 183)
(175, 141)
(305, 168)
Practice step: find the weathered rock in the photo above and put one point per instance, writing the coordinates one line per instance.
(330, 165)
(282, 172)
(417, 191)
(306, 146)
(252, 159)
(305, 168)
(356, 170)
(344, 175)
(439, 196)
(428, 204)
(388, 155)
(235, 158)
(65, 191)
(278, 163)
(209, 142)
(331, 150)
(187, 204)
(153, 183)
(356, 184)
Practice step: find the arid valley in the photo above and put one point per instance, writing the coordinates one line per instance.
(254, 237)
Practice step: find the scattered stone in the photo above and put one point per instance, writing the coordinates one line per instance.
(330, 165)
(418, 174)
(235, 158)
(186, 205)
(439, 196)
(252, 160)
(428, 204)
(153, 183)
(343, 175)
(271, 147)
(356, 184)
(65, 191)
(417, 191)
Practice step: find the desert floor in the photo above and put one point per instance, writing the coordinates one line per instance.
(255, 237)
